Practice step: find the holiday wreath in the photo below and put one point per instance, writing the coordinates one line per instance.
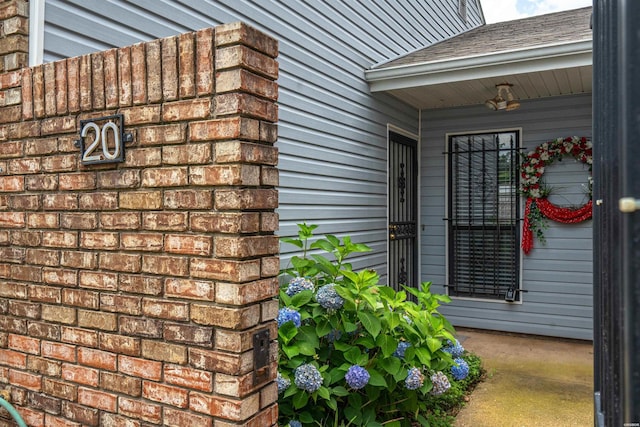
(532, 186)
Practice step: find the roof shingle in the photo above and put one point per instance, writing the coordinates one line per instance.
(554, 28)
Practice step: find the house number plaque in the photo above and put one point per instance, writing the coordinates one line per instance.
(102, 140)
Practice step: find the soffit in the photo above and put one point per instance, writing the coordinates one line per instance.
(547, 55)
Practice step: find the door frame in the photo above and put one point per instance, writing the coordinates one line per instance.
(416, 137)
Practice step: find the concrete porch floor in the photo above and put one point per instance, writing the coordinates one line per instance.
(531, 381)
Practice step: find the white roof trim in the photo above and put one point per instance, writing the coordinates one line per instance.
(539, 58)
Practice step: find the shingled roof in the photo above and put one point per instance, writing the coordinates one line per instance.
(551, 29)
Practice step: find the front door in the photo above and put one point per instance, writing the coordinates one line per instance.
(403, 211)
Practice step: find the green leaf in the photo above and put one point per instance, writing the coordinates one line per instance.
(351, 276)
(306, 348)
(442, 298)
(286, 332)
(342, 346)
(305, 231)
(370, 322)
(300, 400)
(424, 356)
(370, 299)
(347, 325)
(423, 421)
(333, 404)
(352, 355)
(355, 400)
(366, 342)
(387, 292)
(376, 378)
(340, 391)
(392, 365)
(303, 265)
(322, 244)
(291, 351)
(360, 247)
(305, 417)
(291, 391)
(337, 374)
(434, 344)
(323, 392)
(301, 298)
(334, 240)
(353, 415)
(285, 300)
(400, 375)
(323, 327)
(307, 335)
(325, 265)
(295, 242)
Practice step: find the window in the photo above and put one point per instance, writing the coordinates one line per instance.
(483, 206)
(462, 9)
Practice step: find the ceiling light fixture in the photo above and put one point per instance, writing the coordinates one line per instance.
(504, 100)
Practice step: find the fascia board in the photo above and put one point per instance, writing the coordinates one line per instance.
(542, 58)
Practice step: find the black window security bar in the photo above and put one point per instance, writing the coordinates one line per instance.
(482, 215)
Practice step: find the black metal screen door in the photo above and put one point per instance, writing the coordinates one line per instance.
(616, 219)
(403, 211)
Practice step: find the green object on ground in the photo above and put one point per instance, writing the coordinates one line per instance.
(13, 412)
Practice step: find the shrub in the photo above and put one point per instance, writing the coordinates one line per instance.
(354, 352)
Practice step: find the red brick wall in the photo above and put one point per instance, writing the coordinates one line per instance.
(14, 36)
(130, 292)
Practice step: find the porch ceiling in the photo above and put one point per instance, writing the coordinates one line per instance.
(549, 55)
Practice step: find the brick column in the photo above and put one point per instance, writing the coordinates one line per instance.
(131, 293)
(14, 35)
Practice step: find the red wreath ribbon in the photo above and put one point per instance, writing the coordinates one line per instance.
(533, 188)
(554, 213)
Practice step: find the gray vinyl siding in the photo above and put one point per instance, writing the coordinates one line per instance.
(332, 130)
(558, 275)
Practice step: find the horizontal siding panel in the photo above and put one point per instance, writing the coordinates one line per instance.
(356, 227)
(321, 183)
(557, 275)
(579, 255)
(311, 213)
(580, 333)
(569, 265)
(303, 198)
(558, 298)
(563, 276)
(538, 313)
(560, 287)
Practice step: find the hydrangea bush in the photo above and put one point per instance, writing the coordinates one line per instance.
(354, 352)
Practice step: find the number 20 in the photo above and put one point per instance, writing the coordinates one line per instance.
(101, 136)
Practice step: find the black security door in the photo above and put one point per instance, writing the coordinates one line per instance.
(616, 213)
(403, 211)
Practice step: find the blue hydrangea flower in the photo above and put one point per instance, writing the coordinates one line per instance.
(357, 377)
(414, 379)
(460, 370)
(283, 383)
(295, 423)
(307, 377)
(334, 335)
(299, 284)
(401, 349)
(329, 298)
(440, 383)
(454, 349)
(287, 314)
